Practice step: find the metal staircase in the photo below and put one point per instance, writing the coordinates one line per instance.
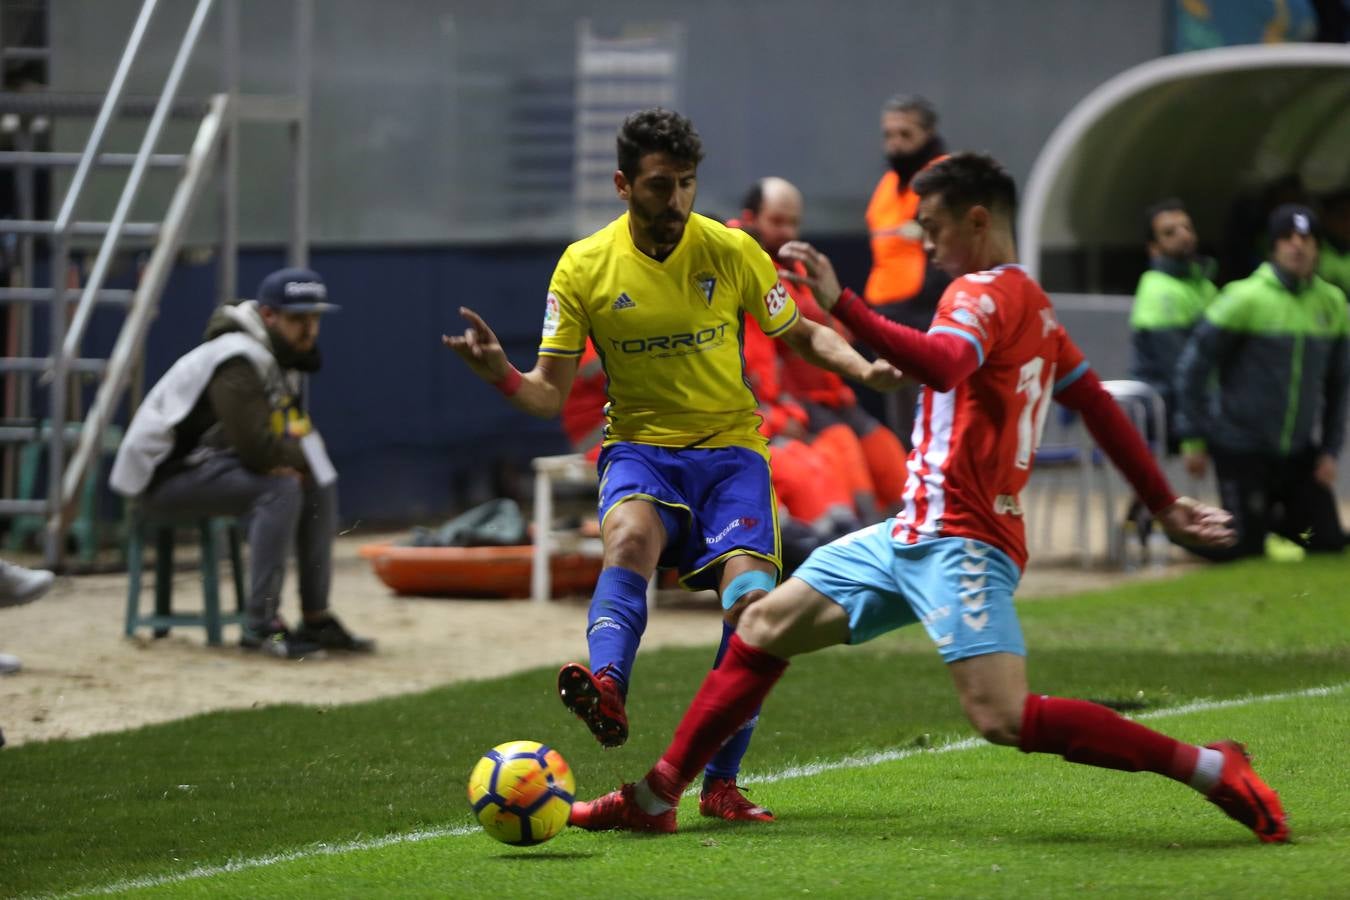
(74, 438)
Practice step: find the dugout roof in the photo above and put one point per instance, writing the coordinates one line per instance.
(1203, 126)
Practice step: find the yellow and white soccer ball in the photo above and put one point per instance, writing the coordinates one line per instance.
(522, 792)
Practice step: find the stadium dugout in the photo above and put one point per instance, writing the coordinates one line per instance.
(1202, 126)
(1210, 127)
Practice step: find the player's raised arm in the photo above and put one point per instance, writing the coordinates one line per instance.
(940, 360)
(1185, 520)
(539, 392)
(822, 346)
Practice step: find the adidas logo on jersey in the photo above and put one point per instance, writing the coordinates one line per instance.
(624, 302)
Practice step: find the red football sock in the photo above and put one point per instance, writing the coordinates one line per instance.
(728, 698)
(1091, 734)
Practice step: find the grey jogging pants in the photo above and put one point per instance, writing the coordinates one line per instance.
(280, 511)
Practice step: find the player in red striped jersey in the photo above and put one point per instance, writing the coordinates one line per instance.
(991, 363)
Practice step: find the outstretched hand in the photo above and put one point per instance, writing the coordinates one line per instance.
(479, 347)
(884, 377)
(1188, 521)
(821, 279)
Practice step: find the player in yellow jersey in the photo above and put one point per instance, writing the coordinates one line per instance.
(684, 480)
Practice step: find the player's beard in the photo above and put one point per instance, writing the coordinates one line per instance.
(665, 230)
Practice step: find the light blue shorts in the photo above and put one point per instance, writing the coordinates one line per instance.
(960, 589)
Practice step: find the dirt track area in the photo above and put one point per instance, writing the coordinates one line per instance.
(82, 677)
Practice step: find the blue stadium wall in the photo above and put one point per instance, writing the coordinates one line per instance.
(409, 427)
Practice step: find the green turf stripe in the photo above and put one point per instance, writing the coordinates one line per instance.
(807, 771)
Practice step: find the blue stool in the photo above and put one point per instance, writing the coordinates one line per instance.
(161, 532)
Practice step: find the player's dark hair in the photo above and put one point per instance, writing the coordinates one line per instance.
(968, 179)
(913, 103)
(754, 198)
(657, 130)
(1167, 204)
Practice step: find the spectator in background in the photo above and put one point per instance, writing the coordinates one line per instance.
(1334, 254)
(1244, 240)
(1171, 298)
(223, 434)
(867, 452)
(904, 285)
(1277, 342)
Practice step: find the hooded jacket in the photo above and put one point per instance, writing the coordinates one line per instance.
(230, 393)
(1167, 306)
(1283, 372)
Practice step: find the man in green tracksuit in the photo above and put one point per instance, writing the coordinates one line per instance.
(1276, 420)
(1171, 297)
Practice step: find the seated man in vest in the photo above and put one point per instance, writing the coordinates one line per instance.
(223, 434)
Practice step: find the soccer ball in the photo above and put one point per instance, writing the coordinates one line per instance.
(521, 792)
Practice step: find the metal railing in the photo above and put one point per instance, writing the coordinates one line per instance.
(143, 303)
(216, 139)
(65, 344)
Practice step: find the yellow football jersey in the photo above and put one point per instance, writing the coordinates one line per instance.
(669, 333)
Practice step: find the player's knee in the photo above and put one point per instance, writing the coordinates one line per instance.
(632, 547)
(758, 627)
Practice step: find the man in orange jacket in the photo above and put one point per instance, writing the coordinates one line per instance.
(904, 285)
(865, 451)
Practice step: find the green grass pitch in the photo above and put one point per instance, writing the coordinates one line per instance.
(368, 800)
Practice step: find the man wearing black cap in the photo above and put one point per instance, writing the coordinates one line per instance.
(223, 433)
(1275, 423)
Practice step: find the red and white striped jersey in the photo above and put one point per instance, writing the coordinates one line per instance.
(974, 444)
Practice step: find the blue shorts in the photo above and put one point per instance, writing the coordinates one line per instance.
(960, 589)
(715, 503)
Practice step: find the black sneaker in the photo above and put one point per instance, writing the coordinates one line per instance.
(330, 634)
(278, 640)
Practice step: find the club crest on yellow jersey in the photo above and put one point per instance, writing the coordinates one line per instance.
(707, 284)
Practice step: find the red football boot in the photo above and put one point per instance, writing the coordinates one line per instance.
(722, 798)
(1242, 795)
(619, 811)
(596, 700)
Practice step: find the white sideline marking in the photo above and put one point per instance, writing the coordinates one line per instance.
(805, 771)
(240, 865)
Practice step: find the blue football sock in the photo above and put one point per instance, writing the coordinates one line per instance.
(617, 618)
(726, 763)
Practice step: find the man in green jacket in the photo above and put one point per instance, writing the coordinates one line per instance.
(1275, 422)
(1171, 297)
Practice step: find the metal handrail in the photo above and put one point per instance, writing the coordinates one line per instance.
(195, 174)
(216, 136)
(60, 249)
(75, 334)
(109, 109)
